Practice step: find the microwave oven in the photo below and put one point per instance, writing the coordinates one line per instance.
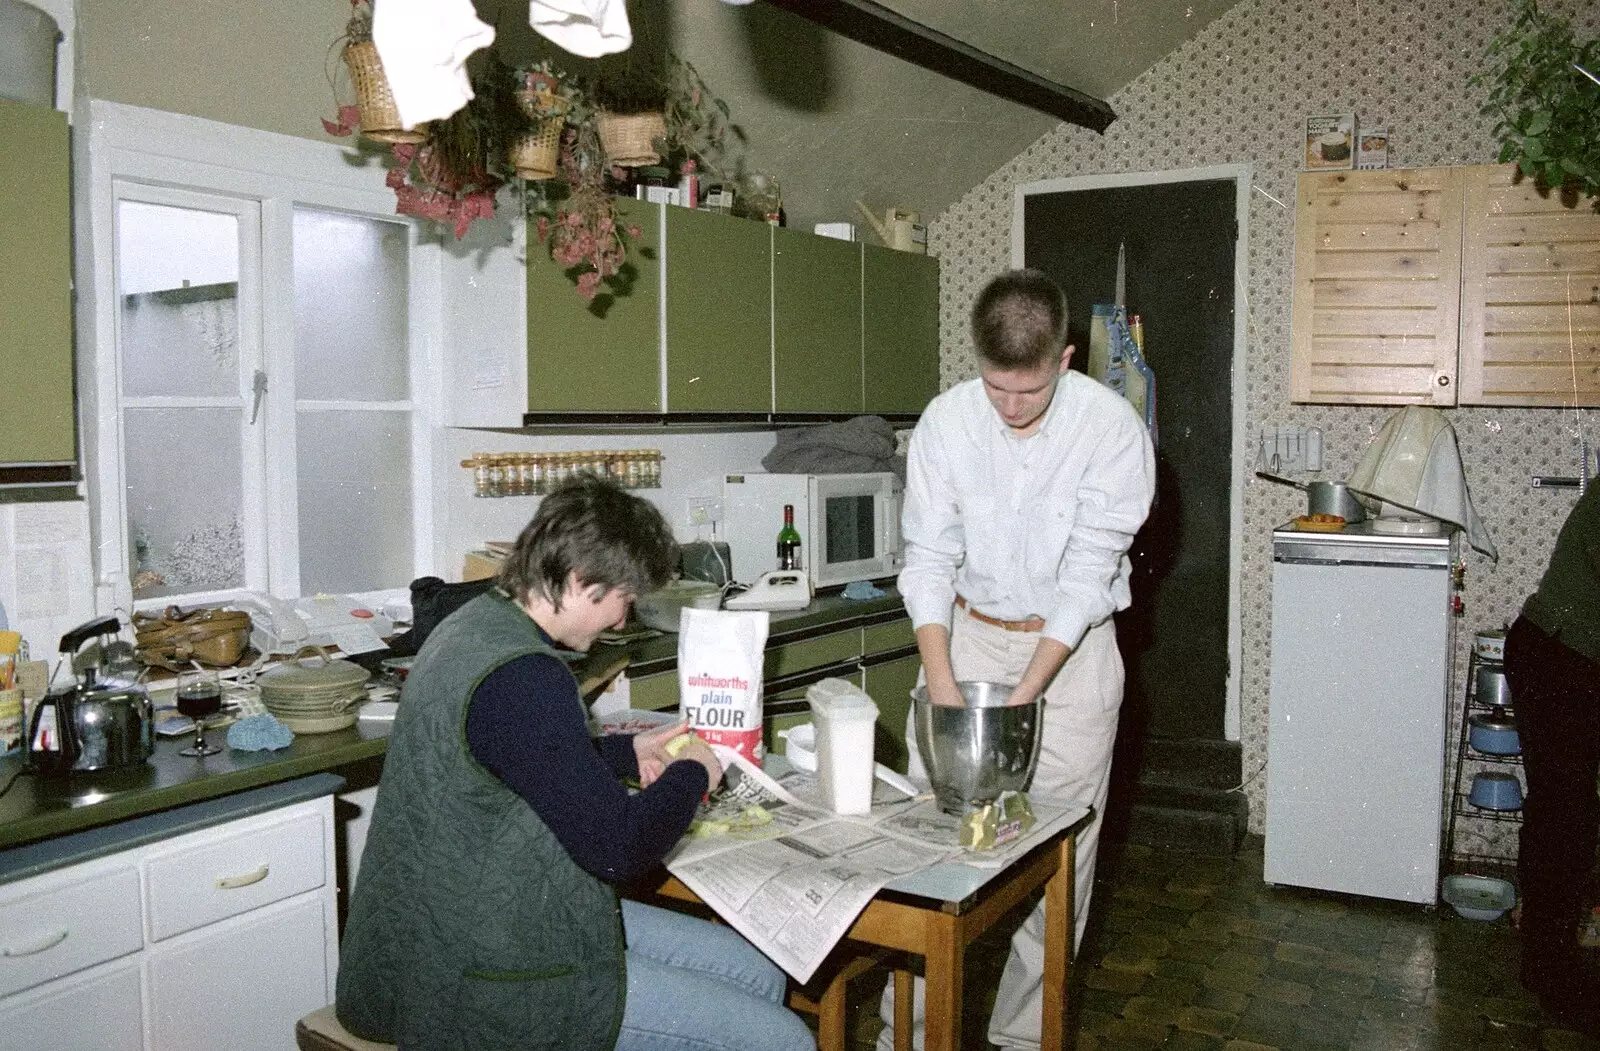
(849, 524)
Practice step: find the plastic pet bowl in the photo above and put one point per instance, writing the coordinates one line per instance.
(1493, 790)
(1479, 897)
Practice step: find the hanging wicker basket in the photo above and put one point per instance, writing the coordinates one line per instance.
(380, 118)
(534, 156)
(629, 138)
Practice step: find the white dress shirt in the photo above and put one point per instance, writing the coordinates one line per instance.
(1023, 527)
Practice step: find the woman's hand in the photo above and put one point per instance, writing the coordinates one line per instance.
(701, 753)
(650, 749)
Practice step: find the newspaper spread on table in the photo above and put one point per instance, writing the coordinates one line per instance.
(791, 876)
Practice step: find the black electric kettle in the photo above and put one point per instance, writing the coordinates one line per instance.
(92, 723)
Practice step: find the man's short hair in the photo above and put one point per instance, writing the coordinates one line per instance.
(1020, 321)
(594, 528)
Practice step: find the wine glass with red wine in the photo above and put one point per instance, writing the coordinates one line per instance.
(199, 696)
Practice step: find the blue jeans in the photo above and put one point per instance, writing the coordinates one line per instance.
(698, 986)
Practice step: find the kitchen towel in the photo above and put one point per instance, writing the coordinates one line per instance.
(424, 46)
(1415, 465)
(859, 445)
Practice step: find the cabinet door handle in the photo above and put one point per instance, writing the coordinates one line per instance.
(49, 941)
(235, 882)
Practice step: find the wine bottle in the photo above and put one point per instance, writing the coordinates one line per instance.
(788, 541)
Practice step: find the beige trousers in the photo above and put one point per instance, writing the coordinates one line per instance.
(1080, 726)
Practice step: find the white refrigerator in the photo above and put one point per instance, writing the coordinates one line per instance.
(1356, 738)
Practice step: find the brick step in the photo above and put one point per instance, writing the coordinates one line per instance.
(1180, 797)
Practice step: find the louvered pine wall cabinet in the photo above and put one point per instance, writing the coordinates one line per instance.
(1444, 286)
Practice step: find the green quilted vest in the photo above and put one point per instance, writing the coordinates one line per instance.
(470, 927)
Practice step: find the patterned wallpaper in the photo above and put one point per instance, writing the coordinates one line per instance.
(1240, 93)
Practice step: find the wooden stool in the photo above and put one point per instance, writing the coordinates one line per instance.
(320, 1031)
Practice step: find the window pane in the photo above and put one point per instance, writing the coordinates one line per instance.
(355, 501)
(184, 503)
(350, 307)
(178, 271)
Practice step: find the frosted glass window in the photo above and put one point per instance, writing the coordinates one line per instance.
(355, 500)
(178, 274)
(185, 523)
(350, 307)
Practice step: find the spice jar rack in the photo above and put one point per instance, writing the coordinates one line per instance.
(534, 474)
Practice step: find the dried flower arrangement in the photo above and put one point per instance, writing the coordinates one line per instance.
(452, 170)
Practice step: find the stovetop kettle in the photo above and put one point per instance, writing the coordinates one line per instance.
(94, 723)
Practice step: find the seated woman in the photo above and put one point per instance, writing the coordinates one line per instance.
(484, 916)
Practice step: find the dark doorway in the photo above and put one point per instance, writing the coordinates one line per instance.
(1180, 239)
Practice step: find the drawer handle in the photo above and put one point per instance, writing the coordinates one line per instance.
(49, 941)
(235, 882)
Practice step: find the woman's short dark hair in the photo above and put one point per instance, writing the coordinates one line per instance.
(1020, 321)
(594, 528)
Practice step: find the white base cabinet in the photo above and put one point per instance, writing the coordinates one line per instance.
(217, 938)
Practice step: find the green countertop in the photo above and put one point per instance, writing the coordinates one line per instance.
(35, 809)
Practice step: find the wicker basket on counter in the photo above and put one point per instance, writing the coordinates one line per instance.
(380, 118)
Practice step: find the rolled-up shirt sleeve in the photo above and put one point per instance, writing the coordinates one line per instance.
(1114, 497)
(930, 525)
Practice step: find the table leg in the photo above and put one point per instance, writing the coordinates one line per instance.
(1058, 931)
(905, 991)
(944, 978)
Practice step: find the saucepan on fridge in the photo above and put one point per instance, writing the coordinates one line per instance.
(1324, 498)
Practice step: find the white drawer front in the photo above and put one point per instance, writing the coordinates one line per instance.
(228, 872)
(65, 921)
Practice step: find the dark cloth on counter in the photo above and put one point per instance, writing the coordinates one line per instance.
(856, 446)
(1555, 690)
(526, 724)
(432, 600)
(1567, 604)
(470, 926)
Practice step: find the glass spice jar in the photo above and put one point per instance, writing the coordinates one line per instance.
(480, 474)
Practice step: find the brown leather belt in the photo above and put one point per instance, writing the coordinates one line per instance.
(1031, 624)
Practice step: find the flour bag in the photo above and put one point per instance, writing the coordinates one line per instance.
(719, 676)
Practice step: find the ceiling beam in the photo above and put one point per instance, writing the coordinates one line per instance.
(878, 27)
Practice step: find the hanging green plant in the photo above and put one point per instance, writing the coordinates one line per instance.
(1546, 100)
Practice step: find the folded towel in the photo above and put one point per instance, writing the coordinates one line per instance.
(259, 733)
(861, 590)
(855, 446)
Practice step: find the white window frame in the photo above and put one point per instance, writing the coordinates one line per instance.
(166, 158)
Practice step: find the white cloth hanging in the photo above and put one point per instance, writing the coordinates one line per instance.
(590, 28)
(1415, 465)
(424, 46)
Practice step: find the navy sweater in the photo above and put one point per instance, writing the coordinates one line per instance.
(526, 724)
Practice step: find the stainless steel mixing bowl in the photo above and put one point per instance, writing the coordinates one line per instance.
(974, 753)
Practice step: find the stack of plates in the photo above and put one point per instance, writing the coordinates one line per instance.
(314, 695)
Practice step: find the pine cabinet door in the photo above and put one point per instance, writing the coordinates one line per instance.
(900, 329)
(816, 323)
(1530, 294)
(36, 406)
(1377, 274)
(581, 361)
(718, 313)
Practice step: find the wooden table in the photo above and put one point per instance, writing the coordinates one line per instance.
(936, 914)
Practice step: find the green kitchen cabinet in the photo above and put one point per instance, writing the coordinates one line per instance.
(900, 329)
(581, 362)
(816, 323)
(718, 313)
(36, 398)
(889, 685)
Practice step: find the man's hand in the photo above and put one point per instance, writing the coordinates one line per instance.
(1048, 657)
(650, 749)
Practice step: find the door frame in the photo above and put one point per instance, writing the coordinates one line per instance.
(1238, 460)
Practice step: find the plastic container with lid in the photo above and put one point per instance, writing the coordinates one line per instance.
(27, 53)
(844, 717)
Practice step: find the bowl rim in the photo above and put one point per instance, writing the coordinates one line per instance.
(998, 690)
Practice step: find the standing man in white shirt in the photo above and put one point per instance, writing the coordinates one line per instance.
(1024, 489)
